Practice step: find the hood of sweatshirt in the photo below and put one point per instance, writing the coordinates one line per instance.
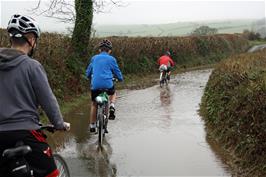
(10, 58)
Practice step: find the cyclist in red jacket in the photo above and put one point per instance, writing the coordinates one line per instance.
(168, 61)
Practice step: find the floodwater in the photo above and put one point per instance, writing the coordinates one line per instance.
(157, 132)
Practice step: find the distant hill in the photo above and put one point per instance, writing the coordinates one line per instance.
(176, 29)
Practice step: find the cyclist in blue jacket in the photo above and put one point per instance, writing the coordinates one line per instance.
(101, 70)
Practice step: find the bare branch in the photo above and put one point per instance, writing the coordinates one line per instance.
(103, 6)
(37, 7)
(64, 10)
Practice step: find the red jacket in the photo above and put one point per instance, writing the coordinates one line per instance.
(165, 60)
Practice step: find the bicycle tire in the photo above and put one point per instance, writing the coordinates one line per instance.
(100, 126)
(61, 166)
(161, 79)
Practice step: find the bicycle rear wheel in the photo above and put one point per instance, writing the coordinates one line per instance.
(100, 117)
(161, 79)
(61, 166)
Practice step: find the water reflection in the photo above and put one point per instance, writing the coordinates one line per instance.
(79, 148)
(161, 134)
(166, 99)
(219, 153)
(165, 96)
(99, 159)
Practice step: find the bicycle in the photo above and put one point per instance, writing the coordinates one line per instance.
(163, 75)
(102, 115)
(17, 166)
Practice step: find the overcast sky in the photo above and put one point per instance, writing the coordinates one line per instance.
(148, 12)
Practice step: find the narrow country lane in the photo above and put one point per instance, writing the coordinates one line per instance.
(158, 132)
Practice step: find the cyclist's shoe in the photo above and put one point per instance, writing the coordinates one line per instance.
(106, 131)
(93, 128)
(168, 77)
(111, 113)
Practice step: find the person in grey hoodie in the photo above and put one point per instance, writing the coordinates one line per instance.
(23, 87)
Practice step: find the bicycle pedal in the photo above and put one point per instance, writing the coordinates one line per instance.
(93, 130)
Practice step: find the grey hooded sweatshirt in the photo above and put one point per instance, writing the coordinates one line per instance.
(23, 87)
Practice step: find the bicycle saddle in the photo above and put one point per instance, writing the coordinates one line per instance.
(17, 151)
(102, 98)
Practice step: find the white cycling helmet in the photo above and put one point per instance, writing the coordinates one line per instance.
(20, 24)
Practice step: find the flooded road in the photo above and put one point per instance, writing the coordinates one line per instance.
(158, 132)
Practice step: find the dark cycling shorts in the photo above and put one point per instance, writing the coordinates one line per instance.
(40, 159)
(95, 93)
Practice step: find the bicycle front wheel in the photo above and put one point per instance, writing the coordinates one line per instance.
(61, 166)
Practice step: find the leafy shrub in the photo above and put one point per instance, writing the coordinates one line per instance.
(250, 35)
(204, 30)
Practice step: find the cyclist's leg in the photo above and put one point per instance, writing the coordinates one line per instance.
(93, 116)
(93, 112)
(3, 146)
(8, 139)
(94, 94)
(40, 159)
(3, 172)
(112, 97)
(169, 72)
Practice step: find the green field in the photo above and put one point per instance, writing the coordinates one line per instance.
(174, 29)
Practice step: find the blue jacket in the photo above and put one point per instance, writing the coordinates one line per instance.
(101, 70)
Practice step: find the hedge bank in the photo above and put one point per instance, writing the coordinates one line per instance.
(234, 109)
(136, 55)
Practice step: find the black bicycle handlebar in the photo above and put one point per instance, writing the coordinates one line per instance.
(51, 128)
